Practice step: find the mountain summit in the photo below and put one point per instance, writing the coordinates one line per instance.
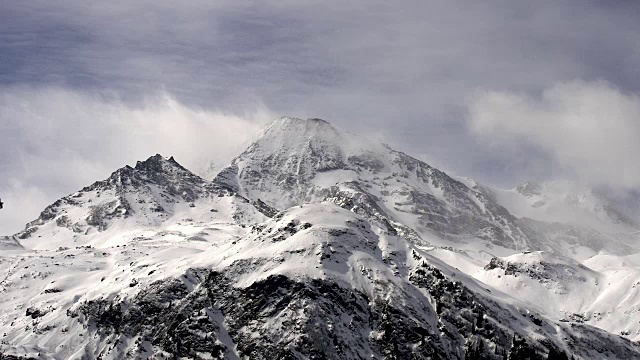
(288, 155)
(297, 161)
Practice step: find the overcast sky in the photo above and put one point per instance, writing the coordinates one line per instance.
(502, 91)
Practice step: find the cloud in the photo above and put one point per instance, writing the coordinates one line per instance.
(57, 140)
(591, 129)
(362, 62)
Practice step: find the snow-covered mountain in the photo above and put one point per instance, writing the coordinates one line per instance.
(602, 291)
(156, 193)
(312, 244)
(298, 161)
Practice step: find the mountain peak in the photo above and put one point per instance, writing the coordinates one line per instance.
(153, 187)
(297, 161)
(156, 168)
(289, 153)
(156, 162)
(293, 128)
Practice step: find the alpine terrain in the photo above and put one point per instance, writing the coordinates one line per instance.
(316, 244)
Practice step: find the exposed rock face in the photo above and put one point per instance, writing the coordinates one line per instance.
(542, 271)
(278, 317)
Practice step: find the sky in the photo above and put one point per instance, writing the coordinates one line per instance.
(501, 91)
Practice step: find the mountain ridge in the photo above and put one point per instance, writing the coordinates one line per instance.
(294, 173)
(312, 243)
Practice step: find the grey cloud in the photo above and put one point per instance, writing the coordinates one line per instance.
(590, 128)
(298, 55)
